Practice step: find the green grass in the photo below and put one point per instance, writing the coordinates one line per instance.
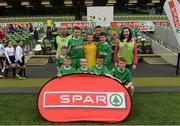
(139, 81)
(148, 108)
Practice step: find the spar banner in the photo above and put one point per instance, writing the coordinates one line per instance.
(172, 9)
(74, 24)
(142, 25)
(25, 24)
(163, 23)
(84, 97)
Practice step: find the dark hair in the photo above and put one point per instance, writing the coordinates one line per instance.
(98, 26)
(100, 57)
(63, 47)
(103, 34)
(18, 41)
(122, 36)
(122, 59)
(77, 28)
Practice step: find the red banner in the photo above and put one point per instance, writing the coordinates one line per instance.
(84, 97)
(142, 25)
(15, 25)
(162, 23)
(73, 24)
(174, 13)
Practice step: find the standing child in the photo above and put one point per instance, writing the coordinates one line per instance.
(66, 68)
(105, 49)
(2, 59)
(60, 59)
(83, 68)
(99, 68)
(10, 59)
(75, 47)
(20, 58)
(90, 50)
(123, 74)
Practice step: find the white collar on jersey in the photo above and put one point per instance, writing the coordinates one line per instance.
(67, 68)
(98, 67)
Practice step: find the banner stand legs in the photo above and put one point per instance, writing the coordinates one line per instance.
(177, 66)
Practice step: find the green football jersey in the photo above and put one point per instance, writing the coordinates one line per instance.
(83, 70)
(59, 61)
(105, 50)
(124, 76)
(65, 71)
(100, 70)
(75, 48)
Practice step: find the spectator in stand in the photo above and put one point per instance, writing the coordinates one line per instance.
(11, 29)
(31, 28)
(19, 29)
(54, 34)
(126, 47)
(62, 39)
(48, 33)
(98, 30)
(2, 34)
(36, 35)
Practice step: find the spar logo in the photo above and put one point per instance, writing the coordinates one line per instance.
(84, 99)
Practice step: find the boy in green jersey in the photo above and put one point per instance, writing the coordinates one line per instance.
(103, 48)
(123, 74)
(66, 67)
(99, 68)
(75, 47)
(83, 68)
(60, 59)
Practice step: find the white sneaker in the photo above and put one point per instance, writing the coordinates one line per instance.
(3, 70)
(1, 76)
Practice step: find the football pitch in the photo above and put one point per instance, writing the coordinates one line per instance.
(139, 82)
(147, 108)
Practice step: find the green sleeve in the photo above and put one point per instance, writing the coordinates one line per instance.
(89, 70)
(93, 70)
(57, 62)
(74, 70)
(129, 76)
(112, 72)
(69, 46)
(108, 58)
(60, 72)
(78, 70)
(58, 47)
(98, 44)
(105, 70)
